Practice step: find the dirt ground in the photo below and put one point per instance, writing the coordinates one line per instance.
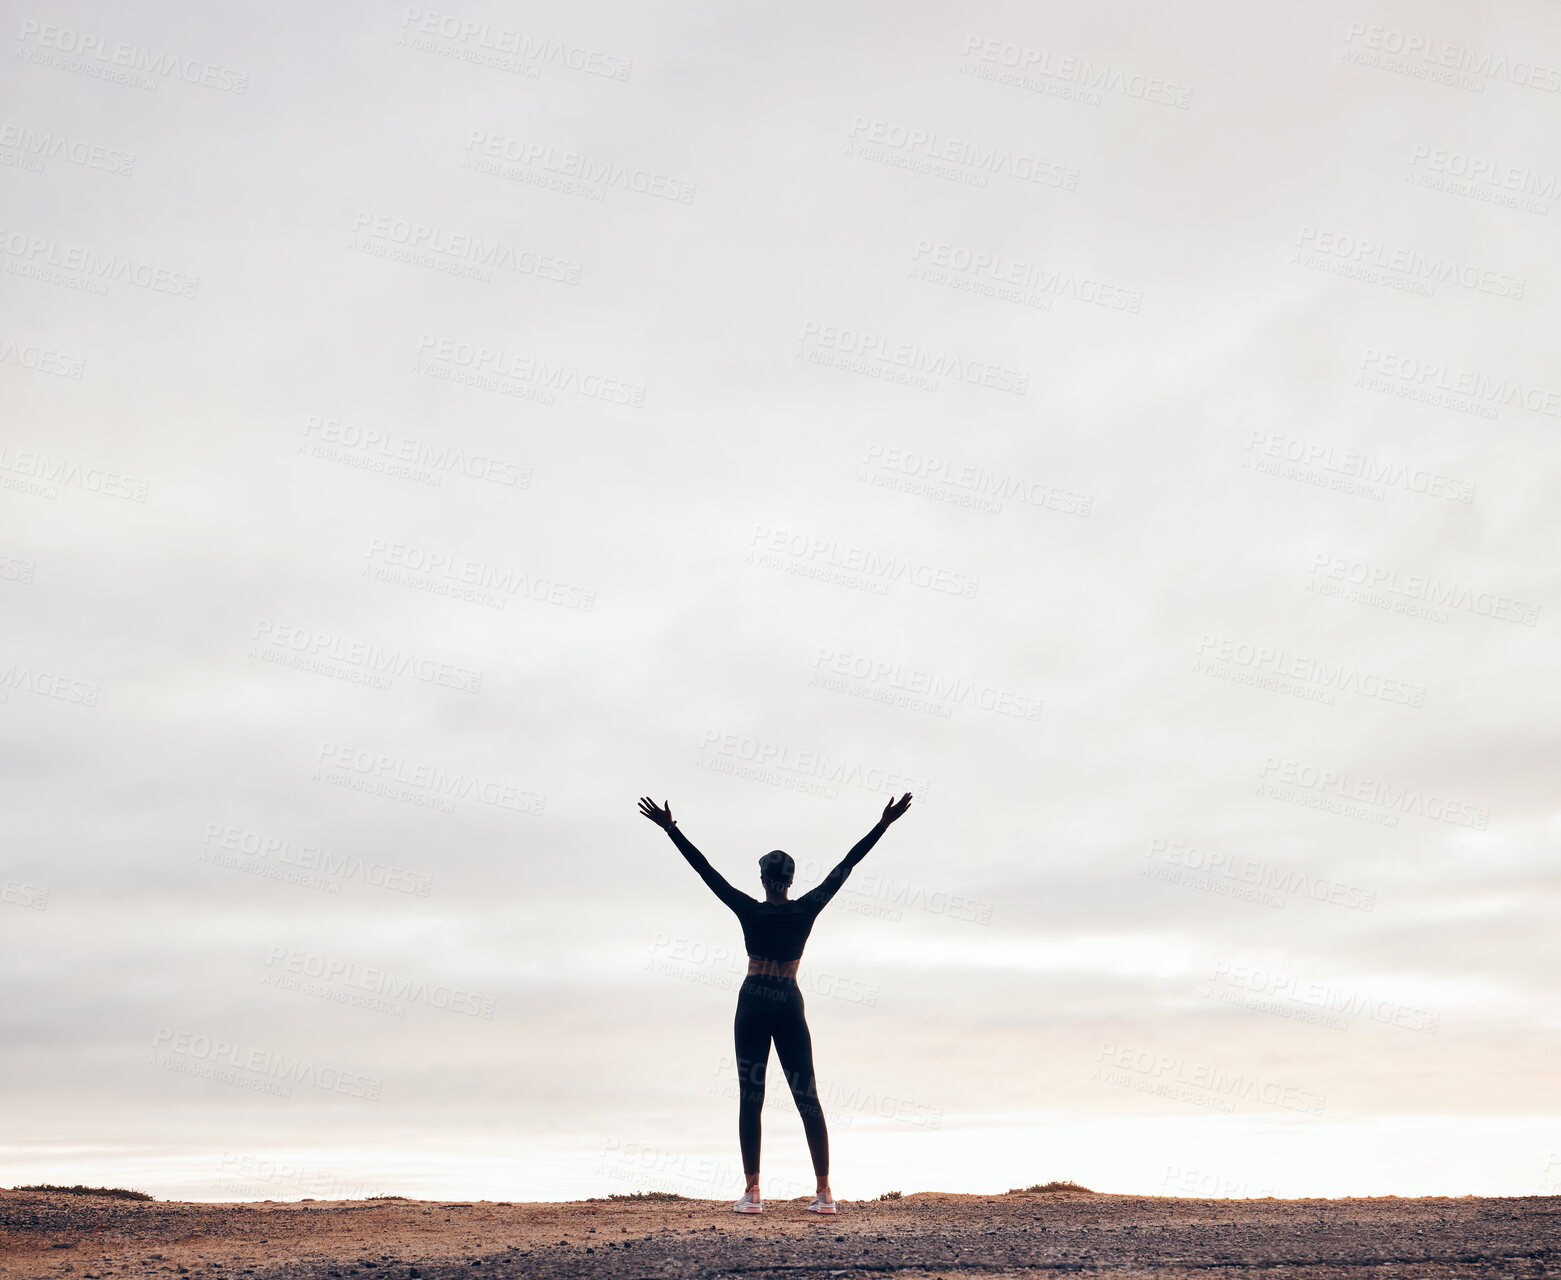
(50, 1234)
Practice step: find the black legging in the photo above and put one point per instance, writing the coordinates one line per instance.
(771, 1008)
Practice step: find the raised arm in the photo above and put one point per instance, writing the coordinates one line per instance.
(819, 896)
(662, 817)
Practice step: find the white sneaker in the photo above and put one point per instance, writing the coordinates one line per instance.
(821, 1205)
(745, 1205)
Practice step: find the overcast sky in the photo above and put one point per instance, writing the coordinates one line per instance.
(1132, 431)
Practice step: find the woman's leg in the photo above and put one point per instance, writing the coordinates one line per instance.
(751, 1038)
(794, 1046)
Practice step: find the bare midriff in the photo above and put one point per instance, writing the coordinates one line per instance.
(772, 968)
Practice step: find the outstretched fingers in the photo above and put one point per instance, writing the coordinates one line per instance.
(660, 816)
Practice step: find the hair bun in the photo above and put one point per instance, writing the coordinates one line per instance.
(776, 869)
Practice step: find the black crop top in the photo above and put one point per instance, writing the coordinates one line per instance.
(776, 931)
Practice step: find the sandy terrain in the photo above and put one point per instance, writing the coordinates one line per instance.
(923, 1235)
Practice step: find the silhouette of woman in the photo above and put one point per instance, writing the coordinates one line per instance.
(769, 1003)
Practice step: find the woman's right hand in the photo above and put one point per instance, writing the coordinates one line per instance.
(662, 817)
(896, 808)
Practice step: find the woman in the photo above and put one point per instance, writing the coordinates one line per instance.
(769, 1003)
